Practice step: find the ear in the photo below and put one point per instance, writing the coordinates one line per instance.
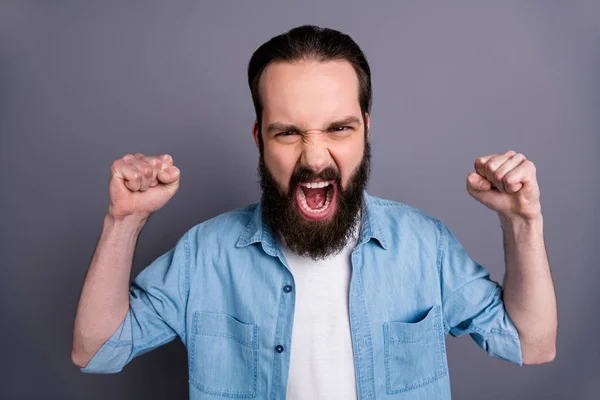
(368, 123)
(255, 133)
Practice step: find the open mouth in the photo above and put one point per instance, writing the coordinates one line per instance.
(316, 199)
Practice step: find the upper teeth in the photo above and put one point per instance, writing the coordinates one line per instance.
(315, 185)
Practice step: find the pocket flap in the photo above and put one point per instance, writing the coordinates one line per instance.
(223, 325)
(408, 332)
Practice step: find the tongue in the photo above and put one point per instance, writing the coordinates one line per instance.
(315, 198)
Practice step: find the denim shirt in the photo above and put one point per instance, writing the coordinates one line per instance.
(225, 290)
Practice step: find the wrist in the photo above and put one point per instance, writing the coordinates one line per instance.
(519, 221)
(519, 230)
(129, 223)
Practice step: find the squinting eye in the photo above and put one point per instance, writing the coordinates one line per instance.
(341, 128)
(288, 133)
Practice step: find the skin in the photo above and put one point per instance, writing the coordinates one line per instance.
(507, 184)
(139, 185)
(304, 99)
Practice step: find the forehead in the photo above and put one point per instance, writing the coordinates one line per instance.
(309, 92)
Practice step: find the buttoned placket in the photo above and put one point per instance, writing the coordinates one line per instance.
(362, 344)
(283, 331)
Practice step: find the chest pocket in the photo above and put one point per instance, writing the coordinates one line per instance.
(414, 352)
(223, 355)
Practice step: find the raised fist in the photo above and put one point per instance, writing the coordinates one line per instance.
(140, 185)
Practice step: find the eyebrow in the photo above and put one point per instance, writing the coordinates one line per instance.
(284, 127)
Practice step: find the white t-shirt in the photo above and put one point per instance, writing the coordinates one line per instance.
(321, 356)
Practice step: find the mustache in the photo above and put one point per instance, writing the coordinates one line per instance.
(303, 174)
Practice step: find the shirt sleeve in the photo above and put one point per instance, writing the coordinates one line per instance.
(157, 303)
(472, 302)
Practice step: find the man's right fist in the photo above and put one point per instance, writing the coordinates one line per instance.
(140, 185)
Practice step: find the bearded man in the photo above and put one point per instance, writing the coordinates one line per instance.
(320, 290)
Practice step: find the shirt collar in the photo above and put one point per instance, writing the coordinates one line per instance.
(258, 231)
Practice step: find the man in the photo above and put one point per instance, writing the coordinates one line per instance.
(319, 291)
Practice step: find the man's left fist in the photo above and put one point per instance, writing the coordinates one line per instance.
(507, 184)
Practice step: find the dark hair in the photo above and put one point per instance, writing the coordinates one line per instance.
(309, 42)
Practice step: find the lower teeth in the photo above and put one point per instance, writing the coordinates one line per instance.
(318, 210)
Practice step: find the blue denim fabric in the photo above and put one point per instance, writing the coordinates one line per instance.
(221, 291)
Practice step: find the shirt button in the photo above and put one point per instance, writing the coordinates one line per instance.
(279, 348)
(287, 288)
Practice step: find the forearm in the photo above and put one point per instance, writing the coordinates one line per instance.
(529, 295)
(104, 300)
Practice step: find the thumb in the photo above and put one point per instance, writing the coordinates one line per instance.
(477, 185)
(169, 177)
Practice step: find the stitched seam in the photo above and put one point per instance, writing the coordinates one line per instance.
(369, 336)
(504, 334)
(224, 392)
(382, 202)
(440, 259)
(225, 335)
(153, 341)
(409, 339)
(386, 351)
(476, 329)
(241, 210)
(255, 360)
(441, 344)
(118, 343)
(353, 329)
(188, 261)
(437, 375)
(192, 361)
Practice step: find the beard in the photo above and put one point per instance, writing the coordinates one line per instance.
(316, 239)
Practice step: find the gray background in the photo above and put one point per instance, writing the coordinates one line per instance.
(83, 83)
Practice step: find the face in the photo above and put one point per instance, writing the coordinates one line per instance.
(314, 158)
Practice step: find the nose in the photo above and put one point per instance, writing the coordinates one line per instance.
(315, 154)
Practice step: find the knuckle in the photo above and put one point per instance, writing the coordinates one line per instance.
(141, 168)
